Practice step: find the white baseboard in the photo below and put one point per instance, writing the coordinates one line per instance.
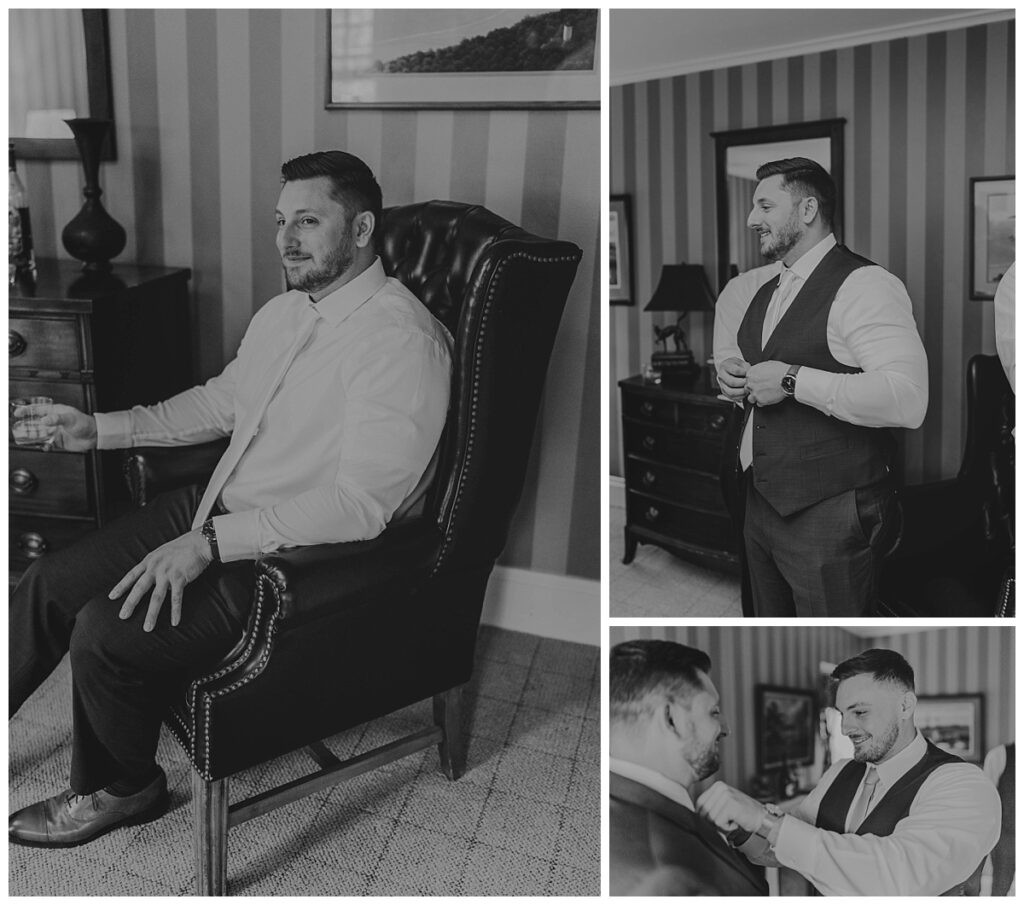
(552, 606)
(616, 492)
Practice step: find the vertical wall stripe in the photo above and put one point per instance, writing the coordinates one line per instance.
(118, 177)
(36, 175)
(506, 173)
(300, 87)
(923, 115)
(175, 134)
(143, 102)
(233, 74)
(330, 127)
(265, 172)
(469, 145)
(207, 259)
(398, 156)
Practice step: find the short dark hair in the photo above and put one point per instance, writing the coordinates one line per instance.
(639, 668)
(809, 178)
(352, 181)
(882, 665)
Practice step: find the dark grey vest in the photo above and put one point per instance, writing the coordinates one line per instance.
(802, 456)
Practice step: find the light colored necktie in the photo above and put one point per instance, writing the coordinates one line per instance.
(243, 434)
(771, 320)
(861, 805)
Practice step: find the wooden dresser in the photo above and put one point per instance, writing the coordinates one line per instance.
(99, 343)
(673, 438)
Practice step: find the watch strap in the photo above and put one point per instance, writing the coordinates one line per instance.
(210, 534)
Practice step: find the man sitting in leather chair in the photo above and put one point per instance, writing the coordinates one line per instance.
(335, 405)
(665, 724)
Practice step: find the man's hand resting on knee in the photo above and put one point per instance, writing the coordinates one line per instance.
(167, 569)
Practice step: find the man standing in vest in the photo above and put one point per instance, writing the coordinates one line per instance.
(901, 818)
(821, 349)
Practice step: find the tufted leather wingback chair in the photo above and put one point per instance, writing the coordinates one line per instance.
(343, 633)
(955, 554)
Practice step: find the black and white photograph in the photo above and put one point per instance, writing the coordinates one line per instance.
(880, 807)
(304, 444)
(836, 438)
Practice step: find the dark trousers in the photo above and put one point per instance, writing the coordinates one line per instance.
(823, 560)
(122, 676)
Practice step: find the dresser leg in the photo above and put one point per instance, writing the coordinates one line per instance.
(630, 548)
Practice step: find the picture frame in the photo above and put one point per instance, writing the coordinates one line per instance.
(787, 726)
(620, 251)
(954, 722)
(439, 58)
(992, 232)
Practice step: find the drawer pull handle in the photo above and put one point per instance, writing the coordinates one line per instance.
(649, 479)
(32, 544)
(22, 481)
(649, 442)
(717, 422)
(652, 513)
(647, 408)
(16, 343)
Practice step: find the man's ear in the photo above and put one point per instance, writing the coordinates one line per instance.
(362, 228)
(907, 705)
(810, 209)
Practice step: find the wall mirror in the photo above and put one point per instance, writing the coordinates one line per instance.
(738, 154)
(58, 68)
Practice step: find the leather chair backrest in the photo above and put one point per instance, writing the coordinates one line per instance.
(989, 453)
(500, 291)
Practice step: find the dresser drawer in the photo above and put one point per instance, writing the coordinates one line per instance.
(690, 525)
(45, 343)
(62, 392)
(48, 482)
(651, 409)
(689, 449)
(695, 488)
(33, 536)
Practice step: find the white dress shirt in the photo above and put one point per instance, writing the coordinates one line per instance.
(952, 825)
(870, 326)
(1004, 316)
(653, 780)
(349, 438)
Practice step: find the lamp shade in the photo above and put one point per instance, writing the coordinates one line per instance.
(682, 287)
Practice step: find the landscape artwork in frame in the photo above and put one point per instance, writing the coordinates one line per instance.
(445, 58)
(993, 232)
(954, 723)
(620, 252)
(787, 723)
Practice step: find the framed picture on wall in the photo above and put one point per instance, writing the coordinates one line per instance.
(787, 724)
(445, 58)
(954, 722)
(992, 232)
(620, 252)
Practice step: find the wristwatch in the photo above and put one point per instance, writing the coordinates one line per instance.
(210, 534)
(789, 380)
(769, 821)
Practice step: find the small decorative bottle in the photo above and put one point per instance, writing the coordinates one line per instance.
(21, 259)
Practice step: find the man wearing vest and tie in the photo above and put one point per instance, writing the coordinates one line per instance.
(821, 350)
(335, 404)
(901, 818)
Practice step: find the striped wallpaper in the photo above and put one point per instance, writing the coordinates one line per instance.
(923, 115)
(945, 661)
(207, 105)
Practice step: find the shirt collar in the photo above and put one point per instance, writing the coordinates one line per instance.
(653, 780)
(804, 266)
(891, 770)
(337, 306)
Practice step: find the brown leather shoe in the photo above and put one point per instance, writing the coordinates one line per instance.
(68, 819)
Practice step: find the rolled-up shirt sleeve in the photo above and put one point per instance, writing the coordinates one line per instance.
(393, 404)
(952, 825)
(871, 326)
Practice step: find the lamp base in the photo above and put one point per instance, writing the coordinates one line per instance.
(675, 367)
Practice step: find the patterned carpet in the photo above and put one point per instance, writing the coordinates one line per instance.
(523, 820)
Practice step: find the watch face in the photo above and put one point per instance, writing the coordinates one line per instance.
(789, 384)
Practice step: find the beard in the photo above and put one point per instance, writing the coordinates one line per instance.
(317, 275)
(706, 761)
(875, 747)
(775, 246)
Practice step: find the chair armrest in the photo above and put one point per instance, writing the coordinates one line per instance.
(150, 470)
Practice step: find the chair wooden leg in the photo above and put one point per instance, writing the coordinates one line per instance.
(448, 715)
(210, 820)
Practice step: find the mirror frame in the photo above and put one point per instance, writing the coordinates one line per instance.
(101, 96)
(825, 128)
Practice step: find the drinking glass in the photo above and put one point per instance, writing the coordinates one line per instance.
(27, 428)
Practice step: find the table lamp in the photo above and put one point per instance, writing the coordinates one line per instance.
(684, 288)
